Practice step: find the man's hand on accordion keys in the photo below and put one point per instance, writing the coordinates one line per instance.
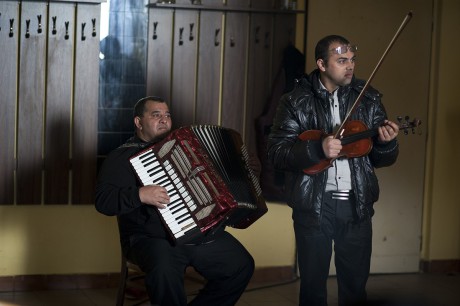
(154, 195)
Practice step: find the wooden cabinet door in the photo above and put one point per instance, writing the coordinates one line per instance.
(84, 129)
(184, 68)
(159, 56)
(59, 102)
(31, 103)
(259, 71)
(208, 101)
(9, 23)
(284, 34)
(234, 71)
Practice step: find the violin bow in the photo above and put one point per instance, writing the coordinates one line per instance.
(355, 104)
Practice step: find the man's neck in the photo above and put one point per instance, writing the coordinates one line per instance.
(326, 85)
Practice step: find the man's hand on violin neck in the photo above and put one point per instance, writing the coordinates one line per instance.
(388, 131)
(332, 147)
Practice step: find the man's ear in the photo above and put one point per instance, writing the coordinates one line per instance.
(137, 122)
(321, 65)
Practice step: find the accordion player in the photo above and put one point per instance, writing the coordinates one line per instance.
(205, 170)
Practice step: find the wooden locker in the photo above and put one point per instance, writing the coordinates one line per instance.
(31, 102)
(208, 102)
(284, 34)
(86, 93)
(259, 73)
(159, 58)
(184, 68)
(59, 102)
(9, 23)
(234, 103)
(234, 71)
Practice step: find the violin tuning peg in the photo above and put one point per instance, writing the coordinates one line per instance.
(399, 118)
(415, 124)
(407, 118)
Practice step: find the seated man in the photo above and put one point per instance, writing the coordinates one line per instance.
(218, 256)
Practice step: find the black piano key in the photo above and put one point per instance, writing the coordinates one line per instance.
(184, 219)
(186, 214)
(176, 209)
(148, 156)
(155, 171)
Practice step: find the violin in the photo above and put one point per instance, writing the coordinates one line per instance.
(356, 140)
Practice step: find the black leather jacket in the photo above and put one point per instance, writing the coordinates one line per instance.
(307, 107)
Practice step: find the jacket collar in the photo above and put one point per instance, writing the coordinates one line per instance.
(135, 141)
(323, 93)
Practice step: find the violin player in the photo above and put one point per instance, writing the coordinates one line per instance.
(333, 206)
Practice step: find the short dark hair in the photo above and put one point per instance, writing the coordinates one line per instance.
(322, 47)
(139, 107)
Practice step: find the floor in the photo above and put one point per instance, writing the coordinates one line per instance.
(383, 290)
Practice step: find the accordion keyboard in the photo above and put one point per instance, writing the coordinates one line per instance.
(175, 215)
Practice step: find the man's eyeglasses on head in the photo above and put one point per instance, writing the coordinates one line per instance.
(344, 49)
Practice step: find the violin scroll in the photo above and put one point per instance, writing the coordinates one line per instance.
(406, 125)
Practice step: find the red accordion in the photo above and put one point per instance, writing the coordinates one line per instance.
(205, 170)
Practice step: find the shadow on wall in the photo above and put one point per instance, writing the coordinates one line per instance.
(272, 181)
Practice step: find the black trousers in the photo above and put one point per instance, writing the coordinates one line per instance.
(352, 242)
(224, 262)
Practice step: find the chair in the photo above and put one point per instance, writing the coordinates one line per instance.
(131, 284)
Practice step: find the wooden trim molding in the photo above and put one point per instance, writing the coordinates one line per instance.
(111, 280)
(223, 8)
(440, 266)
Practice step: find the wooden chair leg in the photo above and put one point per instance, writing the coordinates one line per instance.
(133, 279)
(122, 285)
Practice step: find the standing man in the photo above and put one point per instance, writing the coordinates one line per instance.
(334, 206)
(218, 257)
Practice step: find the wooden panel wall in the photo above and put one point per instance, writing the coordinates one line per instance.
(215, 63)
(49, 94)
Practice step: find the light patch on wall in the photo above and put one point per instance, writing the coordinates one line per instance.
(104, 30)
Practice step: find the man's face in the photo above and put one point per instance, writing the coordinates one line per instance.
(338, 71)
(155, 122)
